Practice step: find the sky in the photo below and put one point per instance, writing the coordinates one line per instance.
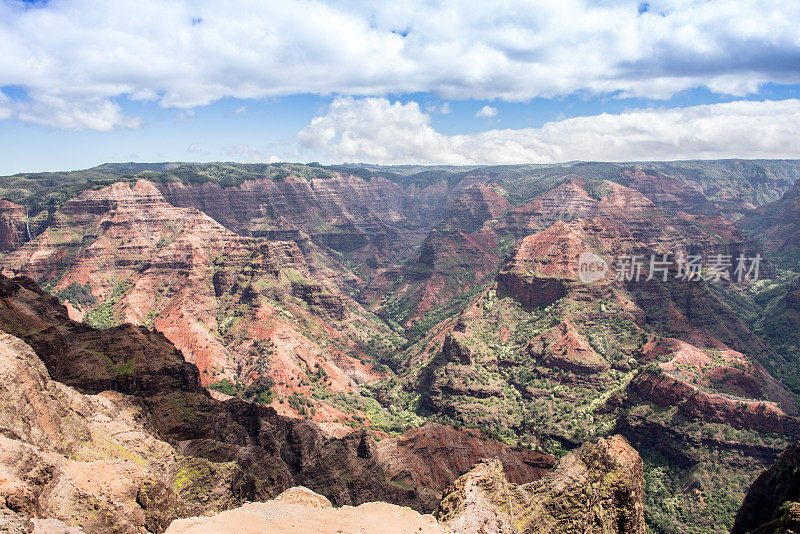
(408, 81)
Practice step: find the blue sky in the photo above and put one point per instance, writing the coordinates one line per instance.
(537, 81)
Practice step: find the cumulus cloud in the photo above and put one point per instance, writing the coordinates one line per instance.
(376, 130)
(78, 57)
(67, 114)
(486, 112)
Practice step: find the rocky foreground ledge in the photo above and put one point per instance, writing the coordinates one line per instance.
(596, 489)
(301, 511)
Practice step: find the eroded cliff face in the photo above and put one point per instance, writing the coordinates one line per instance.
(374, 220)
(772, 504)
(13, 226)
(456, 257)
(93, 460)
(239, 308)
(776, 225)
(651, 221)
(597, 489)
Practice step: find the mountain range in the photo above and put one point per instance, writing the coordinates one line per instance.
(186, 338)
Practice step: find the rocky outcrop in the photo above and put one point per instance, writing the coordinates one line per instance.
(456, 375)
(772, 504)
(433, 456)
(543, 267)
(300, 511)
(716, 385)
(474, 206)
(567, 201)
(563, 348)
(696, 404)
(532, 292)
(596, 489)
(13, 226)
(670, 193)
(92, 460)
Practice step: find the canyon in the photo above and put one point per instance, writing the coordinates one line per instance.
(373, 333)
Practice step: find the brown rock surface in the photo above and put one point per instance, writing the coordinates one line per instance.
(563, 348)
(297, 511)
(772, 504)
(543, 267)
(90, 460)
(455, 257)
(777, 223)
(566, 201)
(696, 403)
(596, 489)
(13, 228)
(474, 206)
(433, 456)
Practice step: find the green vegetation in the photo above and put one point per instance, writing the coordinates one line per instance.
(699, 500)
(763, 307)
(78, 295)
(301, 404)
(104, 316)
(232, 174)
(393, 420)
(396, 312)
(260, 391)
(196, 477)
(225, 386)
(124, 369)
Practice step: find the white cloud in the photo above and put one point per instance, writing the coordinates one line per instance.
(486, 112)
(67, 114)
(376, 130)
(240, 110)
(76, 58)
(445, 109)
